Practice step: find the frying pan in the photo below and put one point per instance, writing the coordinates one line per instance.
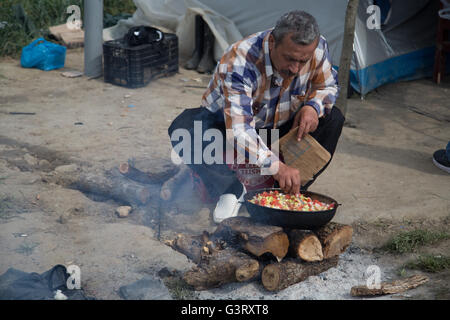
(289, 218)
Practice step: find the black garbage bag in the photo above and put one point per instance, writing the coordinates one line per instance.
(19, 285)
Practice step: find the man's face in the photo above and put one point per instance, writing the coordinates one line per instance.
(288, 57)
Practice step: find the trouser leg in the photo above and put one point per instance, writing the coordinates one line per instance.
(218, 178)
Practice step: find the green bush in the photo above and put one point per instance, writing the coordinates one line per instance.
(23, 21)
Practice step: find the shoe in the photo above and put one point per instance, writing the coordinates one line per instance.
(228, 206)
(441, 161)
(199, 38)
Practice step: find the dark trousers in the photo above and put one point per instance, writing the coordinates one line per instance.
(219, 178)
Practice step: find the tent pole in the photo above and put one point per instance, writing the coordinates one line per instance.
(346, 54)
(93, 38)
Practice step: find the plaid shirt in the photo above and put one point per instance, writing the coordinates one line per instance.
(253, 95)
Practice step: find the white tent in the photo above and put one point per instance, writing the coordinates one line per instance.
(400, 48)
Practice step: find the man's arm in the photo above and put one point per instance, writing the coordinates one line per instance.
(237, 91)
(237, 86)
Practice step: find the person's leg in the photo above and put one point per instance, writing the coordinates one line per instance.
(217, 178)
(329, 130)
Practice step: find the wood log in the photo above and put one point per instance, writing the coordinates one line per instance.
(108, 184)
(157, 169)
(305, 245)
(216, 265)
(153, 177)
(170, 186)
(384, 288)
(335, 238)
(222, 267)
(255, 238)
(135, 174)
(278, 276)
(190, 246)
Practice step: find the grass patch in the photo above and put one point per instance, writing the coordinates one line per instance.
(179, 289)
(411, 240)
(429, 263)
(22, 21)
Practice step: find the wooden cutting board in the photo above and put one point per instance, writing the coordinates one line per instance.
(308, 155)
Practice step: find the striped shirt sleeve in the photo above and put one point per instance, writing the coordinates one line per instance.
(238, 81)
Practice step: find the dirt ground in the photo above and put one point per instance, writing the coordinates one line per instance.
(382, 174)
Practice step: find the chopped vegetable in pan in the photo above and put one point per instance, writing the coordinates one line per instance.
(297, 202)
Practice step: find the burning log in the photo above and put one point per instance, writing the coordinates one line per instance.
(154, 175)
(305, 245)
(335, 238)
(169, 187)
(135, 174)
(109, 184)
(396, 286)
(191, 246)
(278, 276)
(215, 265)
(149, 170)
(255, 238)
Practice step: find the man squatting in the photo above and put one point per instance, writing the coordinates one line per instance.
(281, 79)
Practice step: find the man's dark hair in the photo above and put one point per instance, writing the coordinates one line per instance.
(302, 25)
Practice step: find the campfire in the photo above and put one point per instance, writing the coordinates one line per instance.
(242, 250)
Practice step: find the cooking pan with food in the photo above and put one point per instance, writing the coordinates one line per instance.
(289, 218)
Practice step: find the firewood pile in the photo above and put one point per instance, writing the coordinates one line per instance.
(242, 250)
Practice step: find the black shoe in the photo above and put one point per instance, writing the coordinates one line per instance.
(199, 44)
(441, 161)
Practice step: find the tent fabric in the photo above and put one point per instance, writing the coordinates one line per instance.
(402, 49)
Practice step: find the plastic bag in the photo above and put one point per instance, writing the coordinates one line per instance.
(43, 54)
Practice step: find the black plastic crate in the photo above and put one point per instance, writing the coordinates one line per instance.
(135, 67)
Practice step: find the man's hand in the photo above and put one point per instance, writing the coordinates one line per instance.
(306, 120)
(288, 178)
